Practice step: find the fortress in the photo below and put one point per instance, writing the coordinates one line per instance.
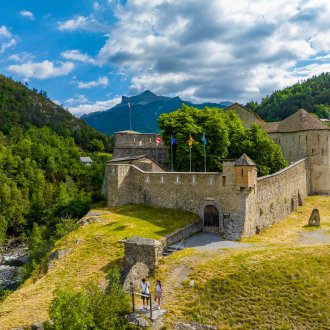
(234, 202)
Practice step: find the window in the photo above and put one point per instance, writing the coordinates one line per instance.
(224, 181)
(242, 173)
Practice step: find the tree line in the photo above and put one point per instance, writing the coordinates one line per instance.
(313, 95)
(225, 137)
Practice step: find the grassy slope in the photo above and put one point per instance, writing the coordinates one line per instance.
(94, 249)
(280, 282)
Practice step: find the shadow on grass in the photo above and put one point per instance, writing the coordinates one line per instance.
(120, 228)
(116, 263)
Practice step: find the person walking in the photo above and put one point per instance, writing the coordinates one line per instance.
(145, 293)
(158, 293)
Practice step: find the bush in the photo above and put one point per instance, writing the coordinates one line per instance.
(91, 308)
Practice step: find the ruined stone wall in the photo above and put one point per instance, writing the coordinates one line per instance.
(280, 193)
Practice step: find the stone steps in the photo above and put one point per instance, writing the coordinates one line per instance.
(171, 249)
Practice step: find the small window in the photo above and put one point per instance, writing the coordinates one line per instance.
(306, 137)
(134, 139)
(161, 179)
(140, 143)
(312, 151)
(224, 181)
(242, 173)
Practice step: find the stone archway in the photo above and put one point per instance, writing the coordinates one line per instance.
(211, 219)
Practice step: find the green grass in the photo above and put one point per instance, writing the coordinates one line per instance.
(94, 249)
(274, 289)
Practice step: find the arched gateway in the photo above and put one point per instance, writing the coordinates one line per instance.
(211, 219)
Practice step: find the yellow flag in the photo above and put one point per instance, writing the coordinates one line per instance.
(190, 140)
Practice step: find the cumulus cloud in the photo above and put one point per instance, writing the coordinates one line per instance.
(83, 23)
(102, 81)
(220, 50)
(95, 106)
(27, 14)
(77, 100)
(76, 55)
(41, 70)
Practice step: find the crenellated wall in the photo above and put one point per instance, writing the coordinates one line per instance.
(245, 208)
(181, 190)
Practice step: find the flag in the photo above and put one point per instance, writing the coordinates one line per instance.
(173, 140)
(190, 140)
(129, 106)
(158, 139)
(203, 138)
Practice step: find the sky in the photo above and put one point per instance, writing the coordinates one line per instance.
(85, 54)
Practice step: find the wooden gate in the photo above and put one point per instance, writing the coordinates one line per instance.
(211, 219)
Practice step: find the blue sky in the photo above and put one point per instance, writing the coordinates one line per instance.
(86, 54)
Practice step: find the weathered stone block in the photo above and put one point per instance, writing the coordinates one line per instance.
(314, 219)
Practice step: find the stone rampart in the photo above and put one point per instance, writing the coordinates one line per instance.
(191, 191)
(280, 193)
(182, 233)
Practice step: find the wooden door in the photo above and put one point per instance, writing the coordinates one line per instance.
(211, 219)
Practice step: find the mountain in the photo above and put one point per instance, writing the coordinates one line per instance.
(313, 95)
(23, 107)
(145, 110)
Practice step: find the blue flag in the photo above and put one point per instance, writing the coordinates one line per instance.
(203, 138)
(173, 140)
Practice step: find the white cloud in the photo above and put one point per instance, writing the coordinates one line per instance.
(41, 70)
(6, 39)
(83, 23)
(76, 55)
(8, 44)
(4, 32)
(96, 106)
(234, 50)
(77, 100)
(102, 81)
(21, 57)
(26, 13)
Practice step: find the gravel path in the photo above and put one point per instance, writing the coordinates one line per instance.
(211, 241)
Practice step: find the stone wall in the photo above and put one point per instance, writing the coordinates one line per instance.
(314, 144)
(130, 143)
(280, 193)
(182, 233)
(181, 190)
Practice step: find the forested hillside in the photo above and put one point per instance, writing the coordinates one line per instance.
(44, 188)
(22, 107)
(313, 95)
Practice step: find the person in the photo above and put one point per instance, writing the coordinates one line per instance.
(145, 291)
(158, 293)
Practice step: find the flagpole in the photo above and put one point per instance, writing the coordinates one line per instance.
(130, 118)
(171, 154)
(204, 159)
(190, 158)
